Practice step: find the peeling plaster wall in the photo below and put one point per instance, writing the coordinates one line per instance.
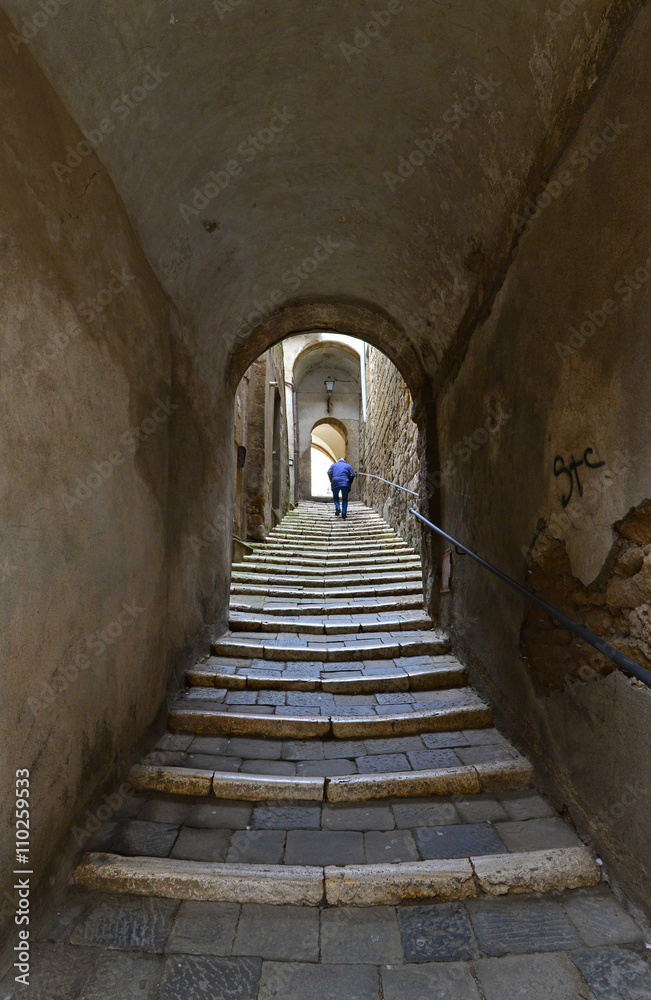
(86, 403)
(566, 351)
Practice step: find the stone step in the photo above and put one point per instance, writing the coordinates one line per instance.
(409, 587)
(340, 581)
(353, 885)
(329, 624)
(329, 563)
(442, 753)
(337, 545)
(327, 572)
(339, 532)
(282, 607)
(472, 713)
(333, 557)
(283, 699)
(423, 673)
(342, 648)
(499, 775)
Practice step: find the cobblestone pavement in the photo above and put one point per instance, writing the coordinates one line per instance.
(576, 945)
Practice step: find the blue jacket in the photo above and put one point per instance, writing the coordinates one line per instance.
(341, 474)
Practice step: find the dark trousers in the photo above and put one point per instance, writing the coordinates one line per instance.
(344, 490)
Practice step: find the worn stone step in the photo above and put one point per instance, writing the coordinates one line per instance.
(453, 826)
(329, 624)
(353, 885)
(260, 698)
(328, 567)
(327, 570)
(407, 674)
(473, 714)
(363, 548)
(282, 607)
(463, 878)
(234, 883)
(500, 775)
(328, 548)
(470, 779)
(346, 535)
(342, 648)
(408, 587)
(188, 760)
(337, 582)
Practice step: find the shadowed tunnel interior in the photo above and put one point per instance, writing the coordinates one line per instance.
(205, 208)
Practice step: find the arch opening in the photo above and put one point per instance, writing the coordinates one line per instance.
(329, 443)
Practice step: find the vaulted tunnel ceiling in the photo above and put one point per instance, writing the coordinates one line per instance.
(304, 137)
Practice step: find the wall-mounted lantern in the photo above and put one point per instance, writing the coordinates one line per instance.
(329, 384)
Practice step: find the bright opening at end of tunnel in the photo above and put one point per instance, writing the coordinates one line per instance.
(320, 465)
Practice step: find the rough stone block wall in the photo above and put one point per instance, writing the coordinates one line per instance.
(390, 446)
(616, 607)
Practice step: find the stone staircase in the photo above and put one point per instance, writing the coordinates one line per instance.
(330, 751)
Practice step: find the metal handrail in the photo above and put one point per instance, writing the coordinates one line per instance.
(624, 662)
(388, 481)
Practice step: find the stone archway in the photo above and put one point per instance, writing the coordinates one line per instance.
(329, 438)
(202, 470)
(315, 364)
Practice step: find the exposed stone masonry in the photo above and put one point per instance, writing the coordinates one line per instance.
(616, 607)
(389, 445)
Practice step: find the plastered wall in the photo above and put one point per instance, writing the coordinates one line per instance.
(87, 407)
(558, 495)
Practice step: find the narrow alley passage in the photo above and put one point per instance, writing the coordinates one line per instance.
(332, 814)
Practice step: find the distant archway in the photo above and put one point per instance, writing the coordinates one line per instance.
(329, 443)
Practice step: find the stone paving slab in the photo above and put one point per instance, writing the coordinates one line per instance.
(369, 935)
(514, 926)
(281, 933)
(600, 919)
(615, 973)
(324, 847)
(532, 977)
(462, 840)
(58, 972)
(325, 982)
(117, 976)
(431, 981)
(194, 977)
(409, 952)
(203, 927)
(437, 933)
(393, 848)
(133, 924)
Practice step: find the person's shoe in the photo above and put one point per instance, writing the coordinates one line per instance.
(343, 517)
(338, 512)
